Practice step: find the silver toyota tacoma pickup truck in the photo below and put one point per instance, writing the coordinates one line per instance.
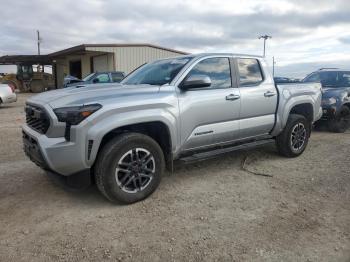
(188, 108)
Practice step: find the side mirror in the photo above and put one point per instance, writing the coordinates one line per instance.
(196, 81)
(96, 80)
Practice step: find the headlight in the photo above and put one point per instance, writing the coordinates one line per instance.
(329, 101)
(75, 114)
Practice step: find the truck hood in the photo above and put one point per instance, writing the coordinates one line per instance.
(329, 92)
(79, 95)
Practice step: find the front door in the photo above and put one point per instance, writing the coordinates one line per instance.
(209, 116)
(258, 99)
(75, 68)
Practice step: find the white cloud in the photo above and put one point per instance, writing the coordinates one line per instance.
(304, 31)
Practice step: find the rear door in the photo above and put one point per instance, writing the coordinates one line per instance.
(209, 116)
(258, 98)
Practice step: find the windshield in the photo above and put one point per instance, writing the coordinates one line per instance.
(158, 72)
(88, 77)
(332, 79)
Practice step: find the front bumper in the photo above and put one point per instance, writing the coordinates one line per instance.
(10, 98)
(33, 152)
(54, 154)
(328, 113)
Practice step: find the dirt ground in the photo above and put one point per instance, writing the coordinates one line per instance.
(209, 211)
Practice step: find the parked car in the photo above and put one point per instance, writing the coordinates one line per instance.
(99, 78)
(336, 97)
(284, 80)
(70, 80)
(184, 109)
(7, 94)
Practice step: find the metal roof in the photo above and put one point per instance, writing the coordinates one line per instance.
(227, 54)
(22, 59)
(82, 48)
(48, 59)
(331, 69)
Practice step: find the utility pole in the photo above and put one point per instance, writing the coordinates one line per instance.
(273, 66)
(38, 33)
(265, 37)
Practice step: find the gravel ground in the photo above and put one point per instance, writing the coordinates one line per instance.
(212, 211)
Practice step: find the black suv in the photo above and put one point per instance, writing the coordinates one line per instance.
(336, 97)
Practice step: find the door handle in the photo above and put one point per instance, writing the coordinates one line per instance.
(269, 94)
(232, 97)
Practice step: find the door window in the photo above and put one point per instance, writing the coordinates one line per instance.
(344, 79)
(218, 69)
(249, 72)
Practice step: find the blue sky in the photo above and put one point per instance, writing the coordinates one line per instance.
(306, 34)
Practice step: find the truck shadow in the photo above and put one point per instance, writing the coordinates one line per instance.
(90, 195)
(268, 151)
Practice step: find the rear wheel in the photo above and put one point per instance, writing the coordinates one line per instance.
(129, 168)
(37, 86)
(295, 136)
(341, 122)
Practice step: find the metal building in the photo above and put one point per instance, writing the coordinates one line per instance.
(82, 60)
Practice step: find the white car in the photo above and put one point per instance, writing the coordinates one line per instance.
(7, 94)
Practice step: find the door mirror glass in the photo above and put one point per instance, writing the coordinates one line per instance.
(196, 81)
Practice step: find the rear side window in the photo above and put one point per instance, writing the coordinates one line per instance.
(117, 77)
(249, 72)
(218, 69)
(330, 78)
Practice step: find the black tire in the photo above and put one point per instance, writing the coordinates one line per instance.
(111, 172)
(341, 122)
(37, 86)
(320, 125)
(284, 141)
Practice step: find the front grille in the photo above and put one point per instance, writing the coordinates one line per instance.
(37, 119)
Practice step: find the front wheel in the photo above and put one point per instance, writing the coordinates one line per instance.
(295, 136)
(342, 121)
(129, 168)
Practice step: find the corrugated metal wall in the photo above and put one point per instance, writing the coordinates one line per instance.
(128, 58)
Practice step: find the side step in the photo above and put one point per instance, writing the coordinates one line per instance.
(217, 152)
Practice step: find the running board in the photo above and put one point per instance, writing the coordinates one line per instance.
(217, 152)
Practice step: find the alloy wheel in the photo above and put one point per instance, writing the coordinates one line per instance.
(135, 170)
(298, 137)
